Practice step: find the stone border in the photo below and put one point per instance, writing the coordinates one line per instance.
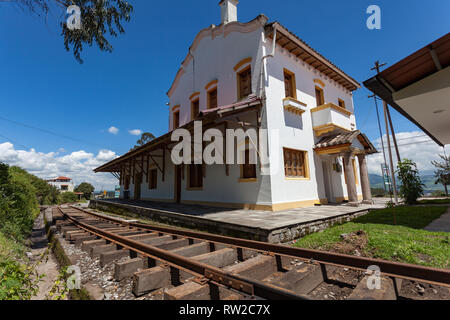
(276, 235)
(61, 256)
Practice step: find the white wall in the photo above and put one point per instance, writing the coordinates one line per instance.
(299, 135)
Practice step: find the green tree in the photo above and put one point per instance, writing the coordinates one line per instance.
(146, 137)
(411, 187)
(86, 189)
(442, 172)
(98, 19)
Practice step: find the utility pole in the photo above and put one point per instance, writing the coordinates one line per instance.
(375, 98)
(377, 68)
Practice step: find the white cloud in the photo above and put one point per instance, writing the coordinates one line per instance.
(77, 165)
(415, 146)
(135, 132)
(113, 130)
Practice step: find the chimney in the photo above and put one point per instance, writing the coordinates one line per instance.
(228, 10)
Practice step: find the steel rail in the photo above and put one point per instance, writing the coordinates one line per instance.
(210, 273)
(434, 276)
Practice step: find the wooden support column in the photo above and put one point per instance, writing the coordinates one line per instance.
(227, 167)
(365, 182)
(351, 181)
(164, 163)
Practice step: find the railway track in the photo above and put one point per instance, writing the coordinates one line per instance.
(193, 265)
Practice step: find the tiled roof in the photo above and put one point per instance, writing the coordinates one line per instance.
(247, 101)
(338, 139)
(346, 138)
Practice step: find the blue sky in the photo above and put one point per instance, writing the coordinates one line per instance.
(42, 85)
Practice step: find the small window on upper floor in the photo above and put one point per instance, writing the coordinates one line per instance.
(341, 103)
(289, 84)
(176, 119)
(212, 99)
(244, 83)
(195, 109)
(319, 96)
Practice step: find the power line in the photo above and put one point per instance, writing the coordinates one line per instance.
(50, 132)
(14, 142)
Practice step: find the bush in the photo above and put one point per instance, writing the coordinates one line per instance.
(18, 202)
(411, 187)
(68, 197)
(378, 192)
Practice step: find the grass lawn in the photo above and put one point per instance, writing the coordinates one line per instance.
(438, 201)
(406, 242)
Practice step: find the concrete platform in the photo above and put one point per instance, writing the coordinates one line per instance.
(274, 227)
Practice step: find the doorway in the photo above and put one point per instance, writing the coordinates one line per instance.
(178, 177)
(137, 186)
(327, 181)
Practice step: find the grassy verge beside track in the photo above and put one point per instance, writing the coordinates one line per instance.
(375, 236)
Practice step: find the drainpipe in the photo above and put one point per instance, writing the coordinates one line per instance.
(271, 55)
(263, 87)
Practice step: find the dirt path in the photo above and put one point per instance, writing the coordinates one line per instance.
(442, 224)
(48, 268)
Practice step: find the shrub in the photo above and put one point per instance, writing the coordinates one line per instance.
(411, 187)
(68, 197)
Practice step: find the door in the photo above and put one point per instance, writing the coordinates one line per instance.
(177, 190)
(137, 186)
(328, 182)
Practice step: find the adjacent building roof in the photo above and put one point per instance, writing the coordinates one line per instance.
(427, 69)
(345, 139)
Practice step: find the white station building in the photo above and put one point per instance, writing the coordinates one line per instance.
(256, 75)
(63, 184)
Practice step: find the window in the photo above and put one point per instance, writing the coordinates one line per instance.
(195, 176)
(64, 188)
(176, 119)
(289, 84)
(295, 164)
(153, 179)
(244, 83)
(341, 103)
(212, 99)
(248, 170)
(319, 97)
(195, 109)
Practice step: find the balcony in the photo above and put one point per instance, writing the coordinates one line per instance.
(330, 117)
(294, 106)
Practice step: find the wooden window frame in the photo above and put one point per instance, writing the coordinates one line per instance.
(193, 101)
(293, 82)
(152, 180)
(343, 103)
(238, 78)
(189, 186)
(306, 173)
(243, 170)
(322, 95)
(174, 114)
(208, 97)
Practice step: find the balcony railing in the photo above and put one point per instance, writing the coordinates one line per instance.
(330, 117)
